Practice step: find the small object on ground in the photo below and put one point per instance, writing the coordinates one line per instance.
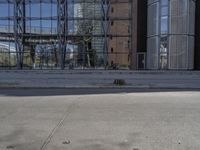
(119, 82)
(66, 142)
(10, 147)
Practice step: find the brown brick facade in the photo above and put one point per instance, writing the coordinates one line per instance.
(119, 46)
(123, 50)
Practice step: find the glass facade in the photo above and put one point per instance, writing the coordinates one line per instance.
(83, 33)
(153, 34)
(171, 34)
(96, 34)
(164, 21)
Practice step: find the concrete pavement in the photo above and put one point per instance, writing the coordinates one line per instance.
(99, 119)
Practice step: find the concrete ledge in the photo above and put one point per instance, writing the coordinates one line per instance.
(100, 87)
(99, 79)
(104, 71)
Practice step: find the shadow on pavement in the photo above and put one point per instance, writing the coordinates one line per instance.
(88, 91)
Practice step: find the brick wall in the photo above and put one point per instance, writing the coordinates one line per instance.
(119, 47)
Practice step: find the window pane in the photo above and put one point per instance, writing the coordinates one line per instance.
(164, 25)
(164, 2)
(164, 11)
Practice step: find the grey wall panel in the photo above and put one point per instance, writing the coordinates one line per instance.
(153, 32)
(153, 19)
(178, 22)
(191, 53)
(180, 35)
(181, 25)
(152, 52)
(192, 10)
(197, 36)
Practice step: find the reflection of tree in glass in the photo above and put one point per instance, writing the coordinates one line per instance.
(86, 28)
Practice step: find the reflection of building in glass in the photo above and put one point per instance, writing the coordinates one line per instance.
(99, 34)
(8, 55)
(171, 34)
(60, 33)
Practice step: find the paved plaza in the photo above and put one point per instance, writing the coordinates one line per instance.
(99, 119)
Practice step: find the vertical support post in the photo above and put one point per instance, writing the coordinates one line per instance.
(134, 22)
(105, 5)
(62, 30)
(19, 30)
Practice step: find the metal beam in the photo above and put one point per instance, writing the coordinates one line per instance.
(19, 30)
(105, 5)
(62, 30)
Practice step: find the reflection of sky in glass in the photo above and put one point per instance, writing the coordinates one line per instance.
(164, 32)
(42, 15)
(164, 25)
(164, 16)
(164, 11)
(46, 11)
(164, 2)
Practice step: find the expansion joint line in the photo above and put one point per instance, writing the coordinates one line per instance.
(60, 123)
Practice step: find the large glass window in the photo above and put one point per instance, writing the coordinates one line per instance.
(89, 33)
(164, 21)
(5, 14)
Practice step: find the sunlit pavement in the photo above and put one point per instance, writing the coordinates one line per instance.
(102, 119)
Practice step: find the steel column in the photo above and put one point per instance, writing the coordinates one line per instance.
(105, 5)
(62, 30)
(19, 30)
